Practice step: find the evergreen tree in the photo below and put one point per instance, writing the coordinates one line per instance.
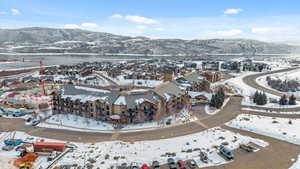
(260, 98)
(217, 99)
(283, 100)
(292, 100)
(255, 97)
(213, 101)
(264, 99)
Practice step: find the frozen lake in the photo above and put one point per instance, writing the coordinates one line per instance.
(49, 60)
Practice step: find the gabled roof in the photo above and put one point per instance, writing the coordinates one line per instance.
(193, 77)
(169, 89)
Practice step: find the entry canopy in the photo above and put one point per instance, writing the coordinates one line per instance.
(115, 117)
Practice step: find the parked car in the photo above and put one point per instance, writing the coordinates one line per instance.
(18, 114)
(35, 122)
(155, 165)
(171, 163)
(52, 156)
(134, 165)
(28, 119)
(145, 166)
(238, 95)
(181, 164)
(203, 157)
(226, 152)
(192, 164)
(169, 122)
(194, 104)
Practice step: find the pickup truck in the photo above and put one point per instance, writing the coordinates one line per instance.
(226, 152)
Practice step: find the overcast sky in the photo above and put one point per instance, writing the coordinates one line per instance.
(269, 20)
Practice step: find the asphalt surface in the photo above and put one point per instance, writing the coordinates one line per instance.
(251, 81)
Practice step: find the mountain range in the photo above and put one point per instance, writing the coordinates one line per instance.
(50, 40)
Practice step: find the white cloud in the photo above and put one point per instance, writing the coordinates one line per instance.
(134, 18)
(231, 32)
(116, 16)
(232, 11)
(89, 25)
(71, 26)
(141, 27)
(140, 19)
(14, 11)
(263, 30)
(159, 29)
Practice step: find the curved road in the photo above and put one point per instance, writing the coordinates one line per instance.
(251, 81)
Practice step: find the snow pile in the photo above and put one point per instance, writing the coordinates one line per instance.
(296, 165)
(281, 128)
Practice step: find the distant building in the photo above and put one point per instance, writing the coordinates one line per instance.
(210, 66)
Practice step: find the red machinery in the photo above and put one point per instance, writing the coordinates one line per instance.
(49, 146)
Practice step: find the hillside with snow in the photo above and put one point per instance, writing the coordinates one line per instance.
(49, 40)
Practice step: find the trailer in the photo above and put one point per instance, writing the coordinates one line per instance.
(248, 147)
(49, 147)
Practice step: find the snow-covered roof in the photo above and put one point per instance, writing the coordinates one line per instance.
(120, 101)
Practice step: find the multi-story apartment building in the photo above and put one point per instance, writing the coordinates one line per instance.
(132, 106)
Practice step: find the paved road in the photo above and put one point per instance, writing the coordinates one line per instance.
(251, 81)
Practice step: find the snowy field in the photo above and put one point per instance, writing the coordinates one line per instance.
(280, 128)
(107, 154)
(265, 111)
(70, 122)
(296, 165)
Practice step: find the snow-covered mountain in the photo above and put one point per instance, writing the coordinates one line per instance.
(49, 40)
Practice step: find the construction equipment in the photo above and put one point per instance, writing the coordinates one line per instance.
(26, 162)
(25, 166)
(13, 142)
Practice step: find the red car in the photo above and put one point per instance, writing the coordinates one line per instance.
(181, 164)
(145, 166)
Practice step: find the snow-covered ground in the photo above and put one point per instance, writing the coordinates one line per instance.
(296, 165)
(70, 122)
(137, 82)
(290, 75)
(280, 128)
(247, 91)
(265, 111)
(107, 154)
(211, 111)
